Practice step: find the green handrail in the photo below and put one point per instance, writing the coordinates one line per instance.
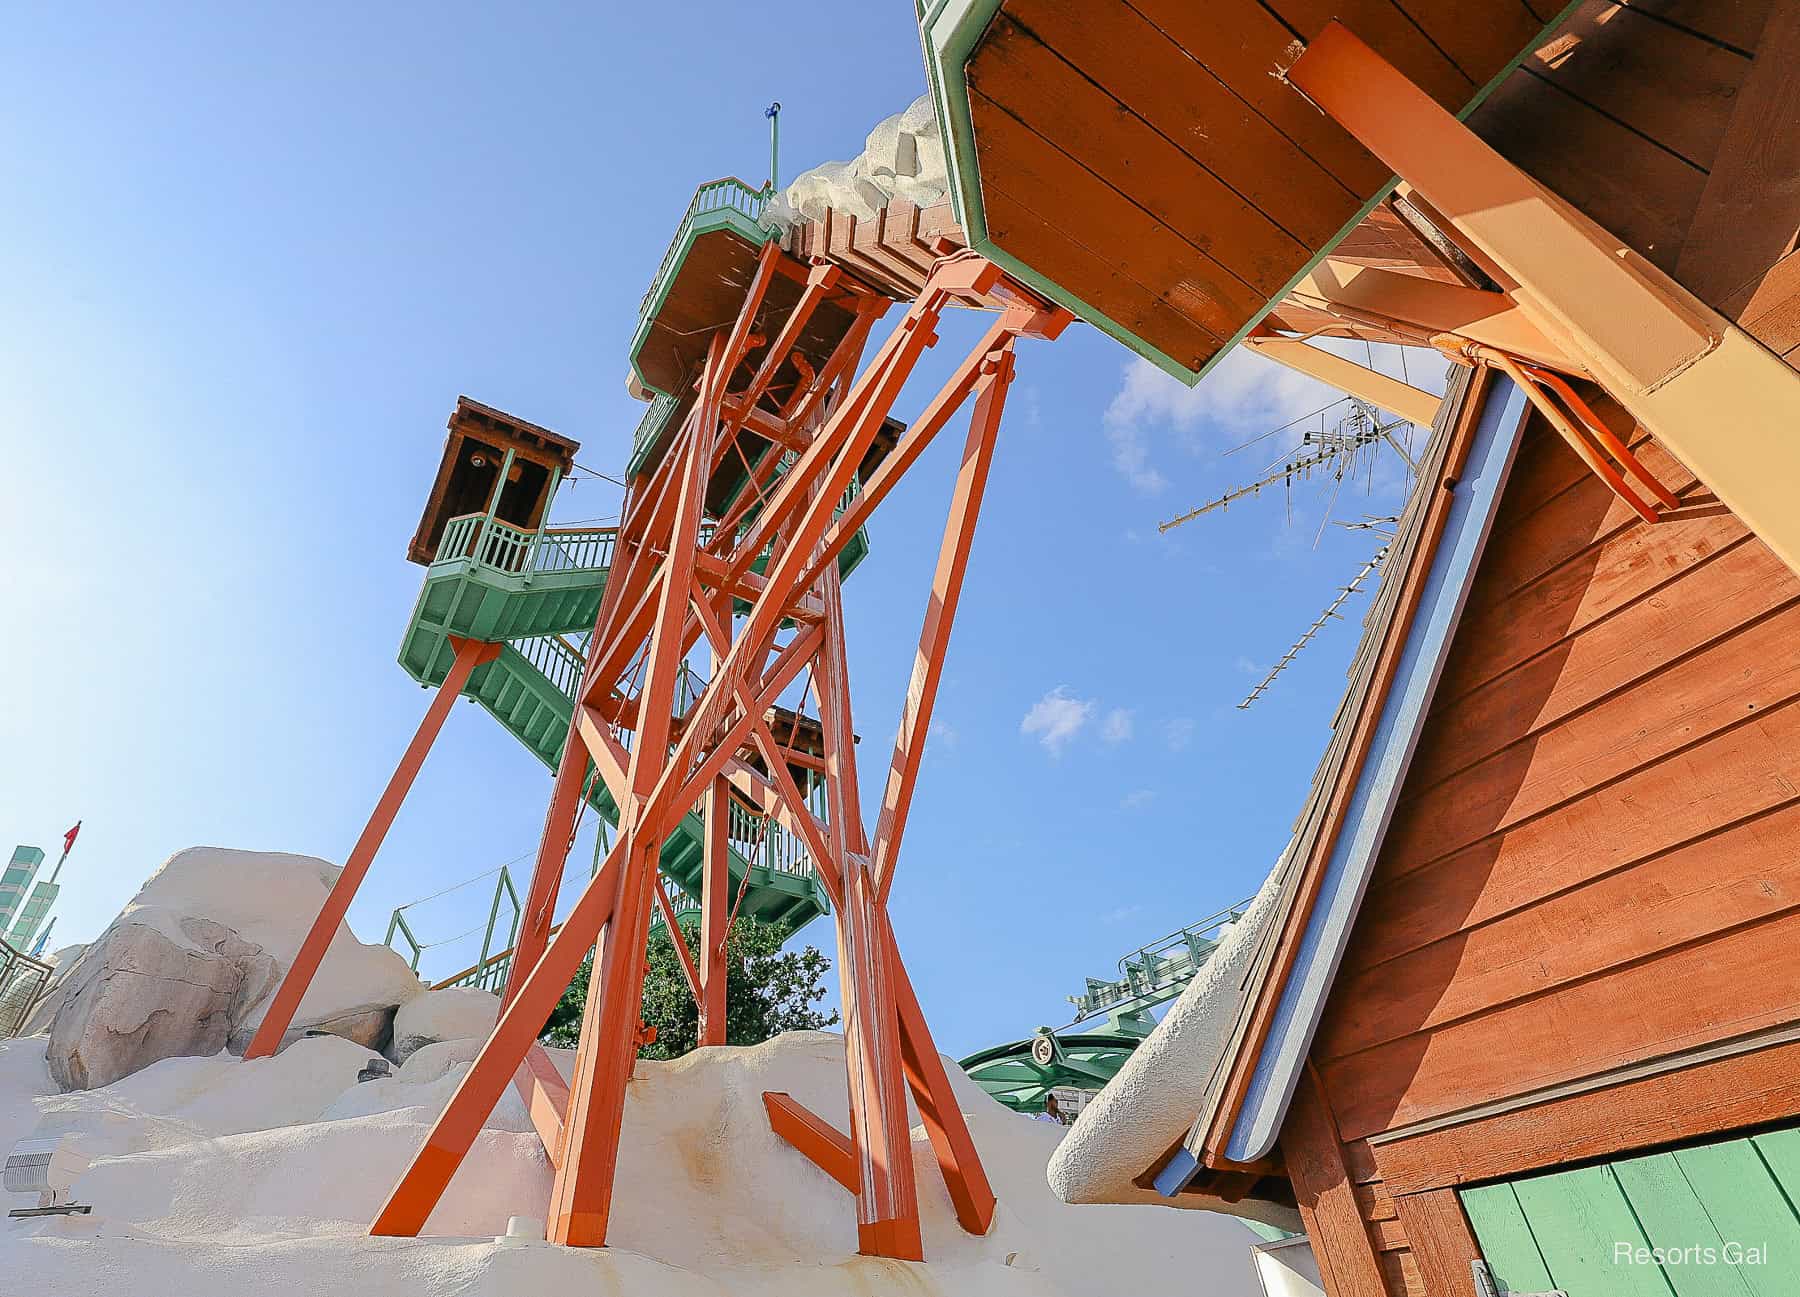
(713, 196)
(650, 427)
(487, 542)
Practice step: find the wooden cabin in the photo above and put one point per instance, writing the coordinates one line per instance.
(1519, 1009)
(482, 445)
(1526, 985)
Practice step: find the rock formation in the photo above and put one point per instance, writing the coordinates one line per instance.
(454, 1013)
(190, 963)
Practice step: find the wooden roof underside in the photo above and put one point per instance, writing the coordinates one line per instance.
(1145, 155)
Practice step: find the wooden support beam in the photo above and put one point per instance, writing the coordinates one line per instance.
(1424, 308)
(410, 1203)
(280, 1014)
(749, 586)
(940, 612)
(715, 912)
(1326, 1194)
(581, 1197)
(814, 1138)
(942, 1116)
(552, 855)
(546, 1097)
(1390, 394)
(1711, 394)
(1442, 1243)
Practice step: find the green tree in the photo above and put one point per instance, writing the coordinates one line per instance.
(767, 990)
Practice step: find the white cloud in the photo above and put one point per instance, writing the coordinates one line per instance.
(1056, 718)
(1179, 732)
(1136, 799)
(944, 734)
(1117, 726)
(1120, 913)
(1245, 395)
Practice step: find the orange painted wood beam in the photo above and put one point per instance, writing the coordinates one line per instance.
(957, 1158)
(280, 1016)
(814, 1138)
(422, 1185)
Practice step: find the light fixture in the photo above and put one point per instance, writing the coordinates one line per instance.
(46, 1167)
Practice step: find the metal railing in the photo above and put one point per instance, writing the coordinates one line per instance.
(483, 972)
(762, 842)
(728, 193)
(555, 658)
(23, 981)
(490, 543)
(650, 427)
(574, 549)
(1159, 970)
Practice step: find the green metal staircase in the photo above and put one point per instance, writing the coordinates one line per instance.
(531, 591)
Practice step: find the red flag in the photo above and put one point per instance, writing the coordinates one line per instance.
(69, 838)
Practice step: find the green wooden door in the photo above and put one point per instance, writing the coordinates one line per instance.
(1721, 1220)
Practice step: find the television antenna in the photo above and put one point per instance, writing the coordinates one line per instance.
(1350, 439)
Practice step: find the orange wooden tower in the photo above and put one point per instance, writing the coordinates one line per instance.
(766, 457)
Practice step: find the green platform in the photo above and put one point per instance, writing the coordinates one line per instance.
(1021, 1073)
(539, 596)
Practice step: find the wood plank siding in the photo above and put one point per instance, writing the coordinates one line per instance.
(1594, 865)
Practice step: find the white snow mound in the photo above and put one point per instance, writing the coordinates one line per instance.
(454, 1013)
(214, 1176)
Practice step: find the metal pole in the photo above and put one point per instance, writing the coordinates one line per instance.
(773, 113)
(487, 938)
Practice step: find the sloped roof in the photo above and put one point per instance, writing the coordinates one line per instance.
(1234, 1092)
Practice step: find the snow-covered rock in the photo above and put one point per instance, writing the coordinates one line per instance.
(903, 157)
(216, 1176)
(454, 1013)
(189, 966)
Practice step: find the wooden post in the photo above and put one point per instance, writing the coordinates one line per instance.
(469, 655)
(552, 856)
(715, 911)
(1315, 1162)
(1443, 1245)
(581, 1199)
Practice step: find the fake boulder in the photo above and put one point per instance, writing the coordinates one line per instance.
(454, 1013)
(189, 966)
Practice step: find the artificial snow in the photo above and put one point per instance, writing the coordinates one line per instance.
(213, 1177)
(454, 1013)
(1150, 1103)
(903, 158)
(271, 898)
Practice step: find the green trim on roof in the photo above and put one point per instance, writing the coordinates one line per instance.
(949, 31)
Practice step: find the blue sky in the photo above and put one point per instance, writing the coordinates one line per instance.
(249, 261)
